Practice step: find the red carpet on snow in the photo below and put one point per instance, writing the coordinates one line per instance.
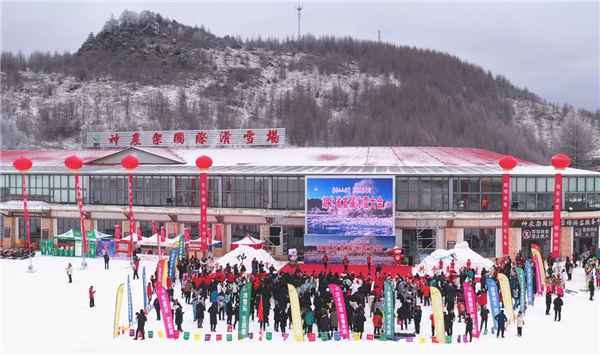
(356, 269)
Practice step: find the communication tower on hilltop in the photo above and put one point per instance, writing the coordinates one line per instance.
(299, 8)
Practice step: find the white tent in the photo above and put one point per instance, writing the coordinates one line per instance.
(153, 241)
(249, 241)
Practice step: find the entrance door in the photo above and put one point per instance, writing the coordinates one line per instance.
(582, 244)
(544, 245)
(35, 230)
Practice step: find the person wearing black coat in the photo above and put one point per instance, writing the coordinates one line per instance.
(558, 303)
(592, 288)
(402, 314)
(106, 259)
(359, 322)
(325, 322)
(449, 321)
(179, 317)
(213, 310)
(484, 317)
(157, 308)
(548, 302)
(501, 319)
(141, 322)
(229, 308)
(236, 314)
(200, 308)
(417, 314)
(283, 316)
(469, 326)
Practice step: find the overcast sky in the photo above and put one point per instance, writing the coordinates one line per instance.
(552, 48)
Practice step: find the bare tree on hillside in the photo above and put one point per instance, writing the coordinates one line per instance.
(576, 140)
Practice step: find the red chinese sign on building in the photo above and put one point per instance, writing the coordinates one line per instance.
(229, 137)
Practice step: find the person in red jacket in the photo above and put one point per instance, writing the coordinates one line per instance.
(432, 325)
(169, 282)
(369, 263)
(452, 265)
(92, 304)
(136, 267)
(377, 322)
(149, 292)
(346, 262)
(441, 265)
(426, 294)
(325, 260)
(468, 264)
(482, 299)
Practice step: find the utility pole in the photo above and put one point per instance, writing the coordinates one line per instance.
(379, 35)
(299, 8)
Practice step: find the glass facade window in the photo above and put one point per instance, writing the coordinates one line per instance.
(288, 193)
(239, 231)
(477, 194)
(422, 194)
(152, 190)
(35, 229)
(581, 193)
(245, 191)
(532, 193)
(482, 241)
(108, 227)
(64, 225)
(187, 191)
(63, 189)
(109, 190)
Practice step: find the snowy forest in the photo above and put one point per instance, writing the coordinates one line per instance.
(146, 72)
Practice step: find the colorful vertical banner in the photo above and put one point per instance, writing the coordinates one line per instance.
(161, 239)
(296, 318)
(505, 213)
(218, 233)
(131, 222)
(471, 305)
(522, 288)
(388, 320)
(79, 202)
(438, 313)
(129, 304)
(165, 274)
(494, 299)
(154, 229)
(118, 232)
(556, 233)
(507, 297)
(182, 245)
(244, 311)
(144, 287)
(539, 268)
(118, 310)
(203, 213)
(187, 233)
(529, 273)
(340, 306)
(173, 261)
(139, 234)
(159, 272)
(165, 310)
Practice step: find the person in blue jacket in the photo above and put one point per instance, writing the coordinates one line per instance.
(501, 319)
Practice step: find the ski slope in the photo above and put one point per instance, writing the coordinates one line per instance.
(43, 313)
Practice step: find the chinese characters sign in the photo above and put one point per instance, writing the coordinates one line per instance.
(173, 139)
(557, 206)
(505, 209)
(355, 248)
(350, 206)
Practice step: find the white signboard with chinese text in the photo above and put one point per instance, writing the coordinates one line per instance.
(200, 138)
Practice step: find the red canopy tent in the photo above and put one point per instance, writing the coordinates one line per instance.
(249, 241)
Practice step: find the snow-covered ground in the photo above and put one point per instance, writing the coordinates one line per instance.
(43, 313)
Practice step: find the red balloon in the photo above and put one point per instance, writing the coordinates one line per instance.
(560, 161)
(23, 164)
(204, 162)
(130, 162)
(73, 162)
(507, 162)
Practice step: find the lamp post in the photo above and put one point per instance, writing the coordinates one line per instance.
(203, 163)
(23, 165)
(130, 162)
(507, 163)
(74, 163)
(560, 163)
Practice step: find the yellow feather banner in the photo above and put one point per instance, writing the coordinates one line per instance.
(118, 310)
(507, 297)
(165, 273)
(438, 313)
(296, 318)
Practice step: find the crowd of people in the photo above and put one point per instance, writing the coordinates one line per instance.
(214, 292)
